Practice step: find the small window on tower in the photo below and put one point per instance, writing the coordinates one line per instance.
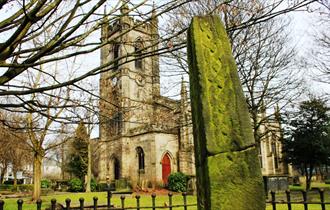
(138, 54)
(274, 150)
(115, 56)
(116, 124)
(140, 155)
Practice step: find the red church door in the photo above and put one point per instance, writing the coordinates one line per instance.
(166, 168)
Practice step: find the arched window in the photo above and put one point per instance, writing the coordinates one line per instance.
(138, 53)
(274, 150)
(115, 56)
(116, 124)
(140, 155)
(116, 168)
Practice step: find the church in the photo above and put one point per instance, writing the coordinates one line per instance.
(144, 137)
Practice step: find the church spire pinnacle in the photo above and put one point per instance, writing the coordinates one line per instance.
(153, 13)
(277, 114)
(124, 14)
(184, 97)
(154, 18)
(124, 9)
(105, 21)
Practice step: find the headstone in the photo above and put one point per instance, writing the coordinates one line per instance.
(276, 183)
(227, 166)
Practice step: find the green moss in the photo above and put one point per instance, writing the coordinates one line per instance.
(218, 88)
(221, 123)
(235, 182)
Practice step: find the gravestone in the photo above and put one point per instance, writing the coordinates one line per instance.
(227, 166)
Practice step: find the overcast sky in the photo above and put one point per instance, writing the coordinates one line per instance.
(304, 26)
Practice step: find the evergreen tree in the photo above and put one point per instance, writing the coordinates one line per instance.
(78, 158)
(307, 142)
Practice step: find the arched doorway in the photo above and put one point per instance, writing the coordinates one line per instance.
(116, 168)
(166, 168)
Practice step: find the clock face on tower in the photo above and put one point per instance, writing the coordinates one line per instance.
(139, 80)
(114, 81)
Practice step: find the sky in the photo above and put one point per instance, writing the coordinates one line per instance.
(303, 27)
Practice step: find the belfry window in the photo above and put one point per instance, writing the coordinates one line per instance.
(140, 155)
(115, 56)
(138, 54)
(116, 124)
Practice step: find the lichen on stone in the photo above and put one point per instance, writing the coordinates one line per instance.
(226, 158)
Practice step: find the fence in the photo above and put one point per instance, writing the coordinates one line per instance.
(56, 206)
(303, 202)
(273, 202)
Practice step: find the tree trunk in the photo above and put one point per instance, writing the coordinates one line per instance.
(321, 171)
(2, 175)
(37, 160)
(15, 178)
(63, 162)
(308, 182)
(309, 175)
(89, 168)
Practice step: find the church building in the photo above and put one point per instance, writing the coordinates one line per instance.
(144, 136)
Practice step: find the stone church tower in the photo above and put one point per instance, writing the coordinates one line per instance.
(143, 136)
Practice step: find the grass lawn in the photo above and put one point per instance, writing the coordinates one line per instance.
(297, 207)
(313, 185)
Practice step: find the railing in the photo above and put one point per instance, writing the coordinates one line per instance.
(109, 206)
(56, 206)
(303, 202)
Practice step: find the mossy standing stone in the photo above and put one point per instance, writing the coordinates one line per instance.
(227, 166)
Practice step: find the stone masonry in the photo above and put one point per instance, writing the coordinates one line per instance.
(143, 136)
(227, 167)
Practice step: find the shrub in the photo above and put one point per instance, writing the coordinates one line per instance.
(177, 182)
(93, 185)
(45, 183)
(4, 187)
(101, 187)
(25, 187)
(8, 182)
(76, 185)
(46, 191)
(21, 188)
(11, 181)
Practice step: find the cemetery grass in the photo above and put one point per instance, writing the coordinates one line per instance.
(296, 207)
(313, 185)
